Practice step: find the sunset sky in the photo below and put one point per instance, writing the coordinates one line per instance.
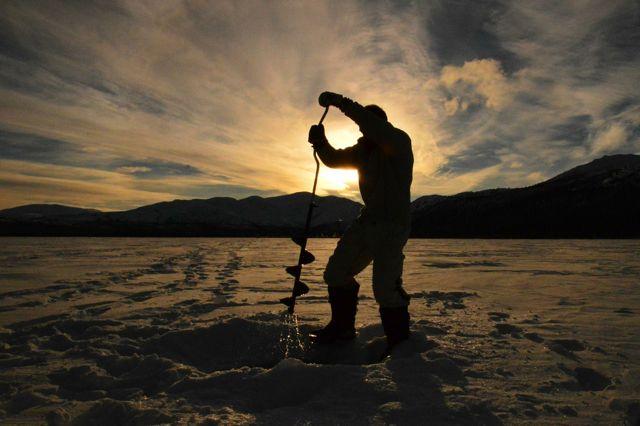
(113, 105)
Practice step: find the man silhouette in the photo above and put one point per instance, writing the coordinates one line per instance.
(384, 160)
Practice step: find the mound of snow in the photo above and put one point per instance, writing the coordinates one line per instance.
(108, 412)
(224, 345)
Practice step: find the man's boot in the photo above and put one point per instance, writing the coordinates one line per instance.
(344, 304)
(395, 322)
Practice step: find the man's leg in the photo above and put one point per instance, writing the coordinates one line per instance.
(352, 254)
(389, 241)
(349, 258)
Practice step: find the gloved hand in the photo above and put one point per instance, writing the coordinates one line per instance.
(330, 99)
(316, 135)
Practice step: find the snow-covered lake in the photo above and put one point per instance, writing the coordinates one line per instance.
(191, 330)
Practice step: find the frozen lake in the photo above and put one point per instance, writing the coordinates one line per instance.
(540, 331)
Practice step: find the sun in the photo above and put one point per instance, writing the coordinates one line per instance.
(339, 179)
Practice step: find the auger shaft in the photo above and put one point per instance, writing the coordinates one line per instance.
(302, 257)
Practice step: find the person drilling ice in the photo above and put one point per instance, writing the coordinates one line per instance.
(384, 160)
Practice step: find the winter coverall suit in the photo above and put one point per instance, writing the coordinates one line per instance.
(384, 160)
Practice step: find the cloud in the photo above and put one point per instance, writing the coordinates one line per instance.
(152, 168)
(474, 158)
(575, 130)
(195, 98)
(465, 30)
(25, 182)
(478, 81)
(609, 140)
(133, 170)
(552, 109)
(30, 147)
(38, 149)
(620, 106)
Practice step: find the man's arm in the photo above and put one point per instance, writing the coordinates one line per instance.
(375, 128)
(335, 158)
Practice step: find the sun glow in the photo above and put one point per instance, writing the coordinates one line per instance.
(337, 179)
(340, 179)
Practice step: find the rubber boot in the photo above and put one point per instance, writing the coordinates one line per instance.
(395, 322)
(344, 305)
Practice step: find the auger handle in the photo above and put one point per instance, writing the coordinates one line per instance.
(324, 114)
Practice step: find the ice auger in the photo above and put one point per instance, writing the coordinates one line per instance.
(305, 257)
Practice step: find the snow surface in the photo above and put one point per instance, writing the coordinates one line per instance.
(163, 331)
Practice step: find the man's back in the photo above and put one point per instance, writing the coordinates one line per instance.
(385, 180)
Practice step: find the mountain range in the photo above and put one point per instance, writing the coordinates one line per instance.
(600, 199)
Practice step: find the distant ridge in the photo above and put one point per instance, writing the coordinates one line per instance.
(220, 216)
(600, 199)
(38, 211)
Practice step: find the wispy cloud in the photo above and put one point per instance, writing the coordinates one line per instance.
(122, 103)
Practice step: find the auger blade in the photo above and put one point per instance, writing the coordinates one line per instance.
(294, 271)
(299, 240)
(300, 288)
(288, 301)
(307, 257)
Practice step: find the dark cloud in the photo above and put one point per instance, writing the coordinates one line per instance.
(621, 105)
(152, 168)
(11, 46)
(21, 184)
(575, 130)
(464, 30)
(148, 104)
(621, 34)
(29, 39)
(23, 42)
(30, 80)
(37, 59)
(38, 149)
(613, 41)
(66, 88)
(457, 126)
(531, 99)
(473, 158)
